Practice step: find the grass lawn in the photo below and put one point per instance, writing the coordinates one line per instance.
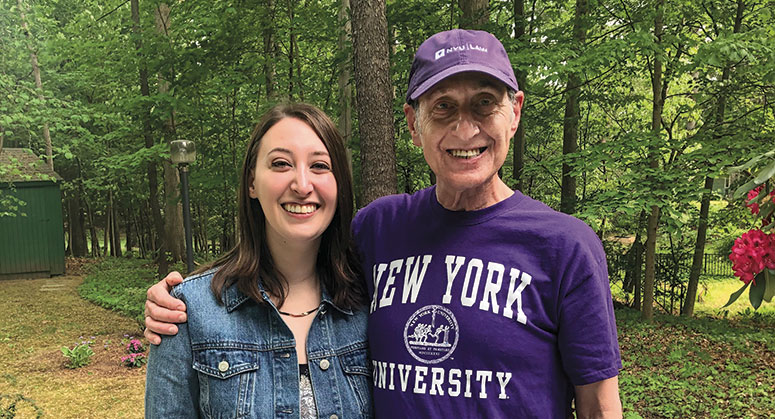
(717, 294)
(712, 366)
(39, 317)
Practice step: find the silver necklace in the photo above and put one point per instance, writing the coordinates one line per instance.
(302, 314)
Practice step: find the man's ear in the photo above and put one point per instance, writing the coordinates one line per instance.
(519, 99)
(411, 121)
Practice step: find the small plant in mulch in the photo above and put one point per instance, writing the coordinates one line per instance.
(136, 353)
(80, 355)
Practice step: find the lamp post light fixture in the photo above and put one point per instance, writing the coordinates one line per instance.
(183, 153)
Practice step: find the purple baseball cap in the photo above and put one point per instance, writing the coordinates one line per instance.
(456, 51)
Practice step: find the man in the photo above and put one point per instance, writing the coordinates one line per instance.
(485, 303)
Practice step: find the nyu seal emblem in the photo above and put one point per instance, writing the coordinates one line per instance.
(431, 334)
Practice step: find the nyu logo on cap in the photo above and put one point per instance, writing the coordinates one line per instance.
(468, 47)
(461, 50)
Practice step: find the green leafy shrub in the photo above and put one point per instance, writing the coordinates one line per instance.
(120, 285)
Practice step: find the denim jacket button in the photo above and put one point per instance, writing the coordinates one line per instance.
(324, 364)
(334, 417)
(223, 366)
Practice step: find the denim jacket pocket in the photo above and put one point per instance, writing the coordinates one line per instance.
(355, 365)
(227, 381)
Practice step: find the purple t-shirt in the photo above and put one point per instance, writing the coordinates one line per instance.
(491, 313)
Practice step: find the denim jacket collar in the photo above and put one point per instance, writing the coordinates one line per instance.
(233, 298)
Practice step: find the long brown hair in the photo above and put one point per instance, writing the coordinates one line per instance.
(250, 260)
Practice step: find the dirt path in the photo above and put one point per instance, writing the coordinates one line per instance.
(37, 318)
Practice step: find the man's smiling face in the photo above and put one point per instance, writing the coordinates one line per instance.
(464, 125)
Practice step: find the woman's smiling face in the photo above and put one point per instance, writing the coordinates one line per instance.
(294, 183)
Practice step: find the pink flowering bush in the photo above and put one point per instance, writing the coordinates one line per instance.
(136, 351)
(135, 347)
(753, 253)
(753, 205)
(134, 360)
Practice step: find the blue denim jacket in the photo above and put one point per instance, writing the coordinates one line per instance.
(238, 360)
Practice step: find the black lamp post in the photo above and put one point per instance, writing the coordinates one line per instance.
(183, 152)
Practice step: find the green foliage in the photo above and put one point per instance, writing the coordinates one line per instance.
(10, 205)
(11, 403)
(219, 57)
(79, 356)
(120, 285)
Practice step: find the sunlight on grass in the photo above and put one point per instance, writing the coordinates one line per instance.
(717, 294)
(713, 294)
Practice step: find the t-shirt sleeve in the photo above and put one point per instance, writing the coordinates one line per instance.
(587, 326)
(358, 227)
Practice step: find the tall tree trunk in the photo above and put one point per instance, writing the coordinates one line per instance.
(105, 244)
(81, 230)
(656, 125)
(76, 222)
(702, 225)
(202, 215)
(115, 231)
(297, 60)
(291, 49)
(109, 248)
(95, 242)
(345, 89)
(226, 218)
(270, 51)
(153, 176)
(145, 231)
(173, 210)
(634, 259)
(476, 14)
(570, 127)
(38, 82)
(128, 228)
(519, 138)
(374, 99)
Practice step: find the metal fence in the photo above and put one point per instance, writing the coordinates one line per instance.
(712, 264)
(716, 265)
(671, 274)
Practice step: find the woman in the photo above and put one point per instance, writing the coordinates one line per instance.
(276, 327)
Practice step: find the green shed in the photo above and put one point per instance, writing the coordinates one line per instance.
(31, 235)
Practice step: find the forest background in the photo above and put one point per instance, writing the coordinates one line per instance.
(633, 109)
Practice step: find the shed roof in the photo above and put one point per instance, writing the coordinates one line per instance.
(22, 165)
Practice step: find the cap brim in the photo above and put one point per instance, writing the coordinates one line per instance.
(428, 84)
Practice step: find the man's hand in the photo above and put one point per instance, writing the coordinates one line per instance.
(162, 310)
(599, 400)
